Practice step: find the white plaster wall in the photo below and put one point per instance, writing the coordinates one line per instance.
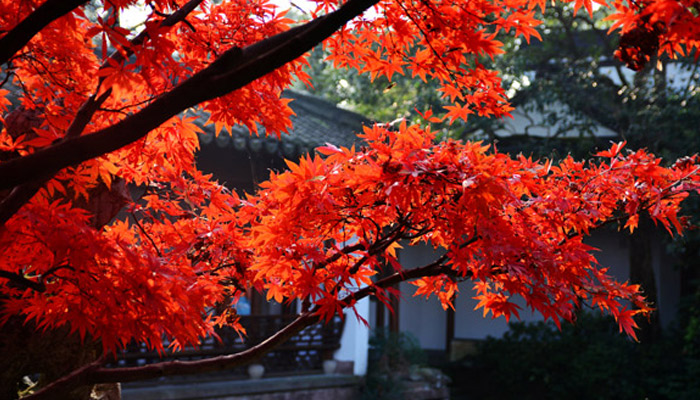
(471, 323)
(538, 124)
(614, 254)
(426, 319)
(354, 343)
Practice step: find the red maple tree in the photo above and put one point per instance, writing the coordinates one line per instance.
(92, 109)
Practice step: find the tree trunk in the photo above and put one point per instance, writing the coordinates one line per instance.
(642, 273)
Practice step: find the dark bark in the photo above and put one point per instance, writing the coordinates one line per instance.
(21, 194)
(642, 273)
(20, 282)
(21, 34)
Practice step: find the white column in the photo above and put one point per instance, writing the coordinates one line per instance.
(354, 343)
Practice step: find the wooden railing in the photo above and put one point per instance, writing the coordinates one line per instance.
(302, 353)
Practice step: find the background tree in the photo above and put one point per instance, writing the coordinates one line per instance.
(83, 124)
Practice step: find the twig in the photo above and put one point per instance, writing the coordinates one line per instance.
(150, 239)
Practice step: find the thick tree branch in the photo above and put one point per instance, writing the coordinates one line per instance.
(232, 70)
(16, 199)
(95, 372)
(437, 267)
(23, 193)
(21, 34)
(20, 195)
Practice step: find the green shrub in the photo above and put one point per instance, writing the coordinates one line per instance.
(588, 360)
(391, 356)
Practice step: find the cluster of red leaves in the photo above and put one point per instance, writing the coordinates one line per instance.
(513, 226)
(186, 245)
(62, 66)
(130, 280)
(325, 227)
(153, 274)
(157, 271)
(439, 41)
(652, 28)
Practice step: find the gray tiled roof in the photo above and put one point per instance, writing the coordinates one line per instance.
(316, 123)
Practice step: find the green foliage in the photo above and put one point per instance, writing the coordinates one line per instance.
(589, 360)
(391, 356)
(568, 82)
(691, 333)
(378, 99)
(572, 80)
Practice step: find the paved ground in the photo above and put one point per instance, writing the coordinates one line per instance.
(302, 387)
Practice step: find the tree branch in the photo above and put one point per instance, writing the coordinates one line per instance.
(16, 199)
(21, 34)
(20, 195)
(437, 267)
(96, 373)
(170, 20)
(232, 70)
(343, 252)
